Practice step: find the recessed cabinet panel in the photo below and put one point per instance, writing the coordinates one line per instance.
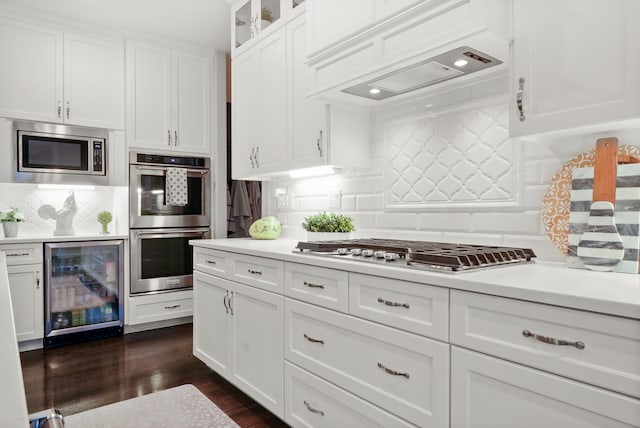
(27, 300)
(575, 63)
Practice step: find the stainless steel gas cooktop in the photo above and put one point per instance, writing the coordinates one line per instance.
(436, 256)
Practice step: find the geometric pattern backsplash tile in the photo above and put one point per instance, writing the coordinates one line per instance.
(453, 160)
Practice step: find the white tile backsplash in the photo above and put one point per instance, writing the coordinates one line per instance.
(514, 224)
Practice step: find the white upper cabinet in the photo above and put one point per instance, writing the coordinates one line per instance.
(53, 76)
(575, 63)
(168, 98)
(253, 20)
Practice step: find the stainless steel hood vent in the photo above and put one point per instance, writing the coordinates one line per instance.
(454, 63)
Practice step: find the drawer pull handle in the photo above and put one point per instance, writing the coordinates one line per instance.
(17, 254)
(254, 272)
(312, 285)
(311, 339)
(172, 307)
(312, 410)
(211, 262)
(393, 372)
(552, 340)
(390, 303)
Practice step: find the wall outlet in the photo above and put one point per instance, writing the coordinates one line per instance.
(335, 199)
(284, 201)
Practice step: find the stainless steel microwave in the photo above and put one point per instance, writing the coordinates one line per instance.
(54, 153)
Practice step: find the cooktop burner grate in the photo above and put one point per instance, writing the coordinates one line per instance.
(441, 256)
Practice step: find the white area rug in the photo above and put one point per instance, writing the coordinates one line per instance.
(180, 407)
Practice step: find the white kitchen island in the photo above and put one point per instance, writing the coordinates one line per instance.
(360, 344)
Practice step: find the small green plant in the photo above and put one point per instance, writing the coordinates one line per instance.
(328, 222)
(104, 218)
(11, 215)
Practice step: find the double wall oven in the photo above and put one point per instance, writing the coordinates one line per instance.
(160, 231)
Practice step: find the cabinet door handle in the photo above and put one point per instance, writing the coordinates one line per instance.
(312, 340)
(37, 280)
(231, 303)
(254, 272)
(17, 254)
(59, 109)
(68, 109)
(390, 303)
(312, 285)
(172, 307)
(313, 410)
(256, 157)
(251, 157)
(224, 301)
(393, 372)
(519, 98)
(175, 138)
(210, 262)
(552, 340)
(319, 143)
(169, 137)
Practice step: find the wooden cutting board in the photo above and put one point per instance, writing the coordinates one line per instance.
(600, 247)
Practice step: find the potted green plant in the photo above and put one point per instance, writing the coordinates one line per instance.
(10, 220)
(104, 218)
(328, 226)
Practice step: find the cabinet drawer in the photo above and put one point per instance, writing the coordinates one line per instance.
(209, 261)
(313, 402)
(405, 374)
(158, 307)
(506, 328)
(22, 254)
(321, 286)
(414, 307)
(260, 272)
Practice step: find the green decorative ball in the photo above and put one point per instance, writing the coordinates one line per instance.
(265, 228)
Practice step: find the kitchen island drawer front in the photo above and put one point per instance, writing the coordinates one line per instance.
(313, 402)
(159, 307)
(598, 349)
(491, 393)
(403, 373)
(210, 261)
(267, 274)
(414, 307)
(22, 254)
(321, 286)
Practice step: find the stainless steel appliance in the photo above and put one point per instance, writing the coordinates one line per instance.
(83, 290)
(53, 153)
(162, 259)
(147, 196)
(436, 256)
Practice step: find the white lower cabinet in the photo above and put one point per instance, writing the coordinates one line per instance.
(27, 300)
(406, 374)
(487, 392)
(313, 402)
(159, 307)
(238, 333)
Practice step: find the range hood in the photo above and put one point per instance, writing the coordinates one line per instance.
(454, 63)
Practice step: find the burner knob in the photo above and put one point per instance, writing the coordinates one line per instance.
(356, 251)
(380, 254)
(391, 256)
(343, 251)
(367, 253)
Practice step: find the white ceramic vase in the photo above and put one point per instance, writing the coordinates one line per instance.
(328, 236)
(10, 229)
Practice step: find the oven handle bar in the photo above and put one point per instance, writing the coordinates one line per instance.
(172, 233)
(164, 168)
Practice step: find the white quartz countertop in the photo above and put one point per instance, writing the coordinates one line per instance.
(544, 282)
(62, 238)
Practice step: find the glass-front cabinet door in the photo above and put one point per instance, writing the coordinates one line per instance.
(253, 19)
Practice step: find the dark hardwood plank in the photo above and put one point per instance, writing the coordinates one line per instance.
(83, 376)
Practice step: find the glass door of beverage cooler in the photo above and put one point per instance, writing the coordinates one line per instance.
(83, 290)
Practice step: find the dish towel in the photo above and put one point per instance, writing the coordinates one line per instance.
(176, 187)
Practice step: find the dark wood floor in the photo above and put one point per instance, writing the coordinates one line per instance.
(79, 377)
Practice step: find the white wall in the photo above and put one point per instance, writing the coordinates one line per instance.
(513, 220)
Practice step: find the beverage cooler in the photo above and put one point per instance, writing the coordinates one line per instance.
(83, 291)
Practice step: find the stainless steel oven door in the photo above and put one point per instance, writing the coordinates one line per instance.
(147, 198)
(162, 259)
